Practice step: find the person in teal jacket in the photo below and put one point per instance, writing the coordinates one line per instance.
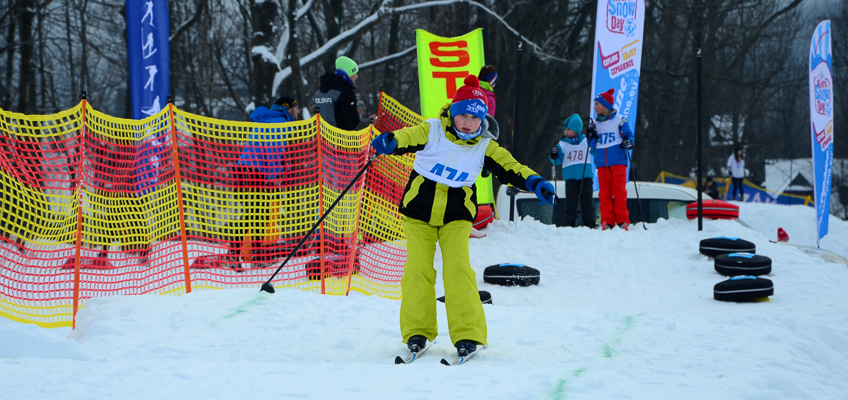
(572, 153)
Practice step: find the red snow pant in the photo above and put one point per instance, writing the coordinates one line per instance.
(613, 194)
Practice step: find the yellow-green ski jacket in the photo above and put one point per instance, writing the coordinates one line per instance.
(438, 204)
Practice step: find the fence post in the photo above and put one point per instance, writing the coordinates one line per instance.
(320, 199)
(78, 253)
(358, 217)
(178, 179)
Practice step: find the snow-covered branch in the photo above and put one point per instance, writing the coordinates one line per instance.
(536, 48)
(387, 58)
(302, 11)
(185, 25)
(331, 45)
(384, 11)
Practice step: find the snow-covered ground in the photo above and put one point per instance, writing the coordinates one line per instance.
(799, 223)
(617, 315)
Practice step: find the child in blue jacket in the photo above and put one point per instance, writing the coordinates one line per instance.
(260, 169)
(614, 138)
(572, 153)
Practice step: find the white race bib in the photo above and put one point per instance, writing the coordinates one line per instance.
(608, 132)
(573, 154)
(449, 163)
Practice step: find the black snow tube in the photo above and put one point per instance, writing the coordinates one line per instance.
(508, 274)
(735, 264)
(485, 297)
(723, 245)
(743, 288)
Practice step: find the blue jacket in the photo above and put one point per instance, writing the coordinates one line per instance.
(574, 171)
(264, 149)
(614, 155)
(148, 161)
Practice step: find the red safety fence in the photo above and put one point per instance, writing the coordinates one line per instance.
(95, 206)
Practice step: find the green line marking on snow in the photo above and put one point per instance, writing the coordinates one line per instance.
(255, 301)
(629, 323)
(558, 392)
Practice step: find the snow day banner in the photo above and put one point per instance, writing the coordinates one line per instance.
(618, 56)
(442, 65)
(821, 122)
(149, 56)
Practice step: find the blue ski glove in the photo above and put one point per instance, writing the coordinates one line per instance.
(537, 185)
(385, 143)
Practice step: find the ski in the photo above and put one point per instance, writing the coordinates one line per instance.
(459, 360)
(412, 356)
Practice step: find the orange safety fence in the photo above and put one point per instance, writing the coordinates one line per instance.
(92, 205)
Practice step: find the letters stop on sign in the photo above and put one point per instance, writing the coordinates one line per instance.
(442, 65)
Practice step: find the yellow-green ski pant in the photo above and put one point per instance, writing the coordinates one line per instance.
(466, 320)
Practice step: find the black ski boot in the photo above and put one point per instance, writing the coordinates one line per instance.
(416, 343)
(465, 347)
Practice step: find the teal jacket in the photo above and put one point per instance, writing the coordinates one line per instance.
(575, 171)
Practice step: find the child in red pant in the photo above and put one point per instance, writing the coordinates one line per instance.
(613, 138)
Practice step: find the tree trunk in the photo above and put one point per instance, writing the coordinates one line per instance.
(26, 84)
(293, 58)
(72, 73)
(389, 71)
(10, 61)
(41, 76)
(333, 15)
(86, 78)
(127, 92)
(263, 14)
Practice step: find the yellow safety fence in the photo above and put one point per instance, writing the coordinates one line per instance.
(750, 189)
(92, 205)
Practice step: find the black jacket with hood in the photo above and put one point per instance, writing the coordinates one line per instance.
(336, 101)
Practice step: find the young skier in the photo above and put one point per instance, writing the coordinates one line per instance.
(572, 152)
(439, 205)
(614, 139)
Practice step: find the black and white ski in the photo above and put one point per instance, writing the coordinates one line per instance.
(459, 360)
(412, 356)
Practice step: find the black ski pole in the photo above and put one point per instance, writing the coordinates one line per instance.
(636, 186)
(267, 287)
(556, 215)
(580, 189)
(585, 161)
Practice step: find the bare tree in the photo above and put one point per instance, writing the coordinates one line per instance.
(228, 56)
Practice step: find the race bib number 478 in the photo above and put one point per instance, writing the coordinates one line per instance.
(574, 155)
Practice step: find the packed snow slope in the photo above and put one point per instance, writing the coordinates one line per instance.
(799, 223)
(617, 315)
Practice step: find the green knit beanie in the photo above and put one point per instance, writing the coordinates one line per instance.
(347, 65)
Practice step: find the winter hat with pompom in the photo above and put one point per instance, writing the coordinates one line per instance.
(469, 99)
(605, 99)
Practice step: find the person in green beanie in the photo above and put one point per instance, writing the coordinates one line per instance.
(336, 99)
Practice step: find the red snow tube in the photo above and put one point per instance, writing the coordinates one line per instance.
(485, 215)
(715, 209)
